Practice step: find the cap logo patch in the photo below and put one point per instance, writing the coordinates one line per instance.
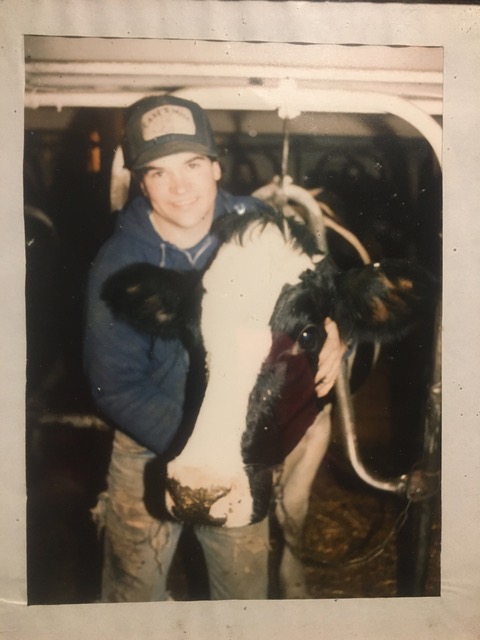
(165, 120)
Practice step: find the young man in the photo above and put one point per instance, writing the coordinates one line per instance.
(138, 383)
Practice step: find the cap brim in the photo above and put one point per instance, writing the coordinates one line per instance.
(168, 149)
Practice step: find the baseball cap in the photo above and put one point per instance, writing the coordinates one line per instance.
(159, 126)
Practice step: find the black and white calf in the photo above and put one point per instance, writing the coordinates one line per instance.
(258, 312)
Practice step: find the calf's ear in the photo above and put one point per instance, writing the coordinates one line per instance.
(154, 301)
(382, 301)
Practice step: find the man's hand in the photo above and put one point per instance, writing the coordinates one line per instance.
(329, 359)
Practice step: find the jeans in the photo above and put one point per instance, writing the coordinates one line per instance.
(139, 549)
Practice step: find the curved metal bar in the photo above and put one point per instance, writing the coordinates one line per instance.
(415, 485)
(290, 100)
(280, 191)
(347, 424)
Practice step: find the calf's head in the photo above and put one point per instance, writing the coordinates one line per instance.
(258, 313)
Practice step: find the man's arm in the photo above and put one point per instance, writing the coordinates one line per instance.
(136, 382)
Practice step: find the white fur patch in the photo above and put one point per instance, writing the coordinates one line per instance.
(241, 289)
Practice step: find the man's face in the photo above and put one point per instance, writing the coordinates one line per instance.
(182, 189)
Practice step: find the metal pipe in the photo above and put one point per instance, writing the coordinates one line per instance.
(345, 411)
(431, 450)
(419, 483)
(290, 100)
(227, 70)
(280, 191)
(36, 99)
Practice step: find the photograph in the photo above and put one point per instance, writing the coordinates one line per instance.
(147, 157)
(240, 323)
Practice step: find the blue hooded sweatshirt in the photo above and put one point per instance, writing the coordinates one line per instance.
(138, 382)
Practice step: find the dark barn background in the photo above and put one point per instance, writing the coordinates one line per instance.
(378, 175)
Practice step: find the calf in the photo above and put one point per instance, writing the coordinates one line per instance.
(258, 313)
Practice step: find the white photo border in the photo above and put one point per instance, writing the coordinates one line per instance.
(454, 615)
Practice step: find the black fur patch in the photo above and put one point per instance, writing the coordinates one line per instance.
(382, 302)
(233, 226)
(155, 301)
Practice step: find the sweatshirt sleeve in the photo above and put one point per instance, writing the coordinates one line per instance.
(137, 382)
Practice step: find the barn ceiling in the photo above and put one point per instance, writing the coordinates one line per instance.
(289, 79)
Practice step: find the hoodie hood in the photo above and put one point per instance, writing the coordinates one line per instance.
(134, 221)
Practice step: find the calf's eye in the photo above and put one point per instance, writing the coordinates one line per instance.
(309, 338)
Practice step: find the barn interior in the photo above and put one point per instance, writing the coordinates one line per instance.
(361, 125)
